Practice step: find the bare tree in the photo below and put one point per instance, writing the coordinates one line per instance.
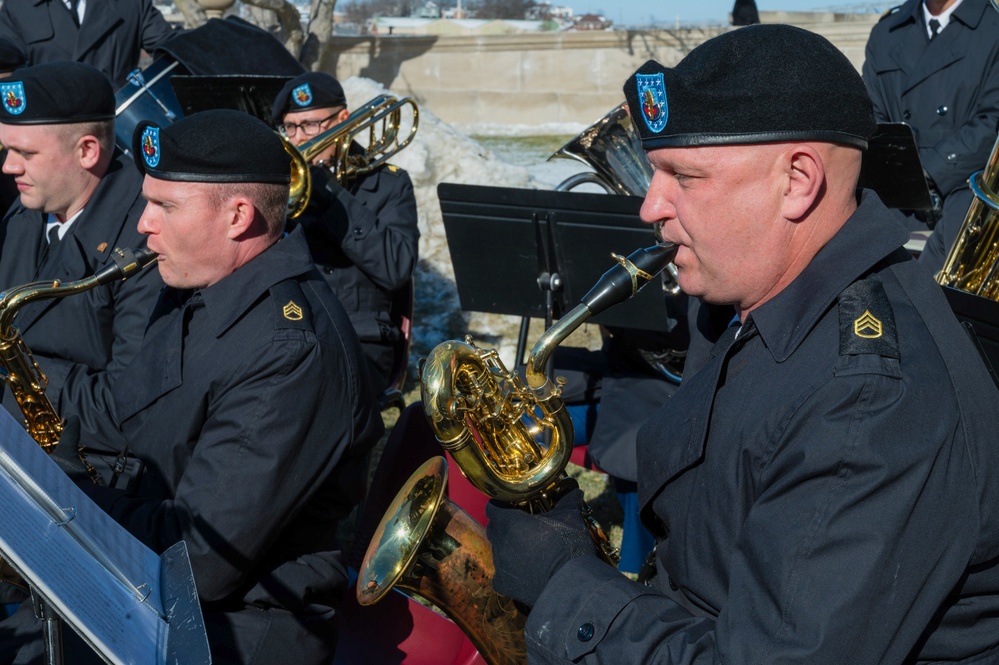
(289, 21)
(320, 31)
(193, 14)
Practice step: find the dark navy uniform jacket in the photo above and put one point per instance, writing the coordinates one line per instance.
(365, 242)
(947, 90)
(82, 341)
(111, 38)
(248, 407)
(824, 488)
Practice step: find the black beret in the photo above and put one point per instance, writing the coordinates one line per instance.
(56, 93)
(11, 56)
(218, 145)
(312, 90)
(758, 84)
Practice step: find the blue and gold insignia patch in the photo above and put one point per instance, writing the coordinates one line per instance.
(302, 95)
(292, 311)
(14, 101)
(151, 146)
(652, 92)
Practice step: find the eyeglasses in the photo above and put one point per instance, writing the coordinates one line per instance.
(309, 127)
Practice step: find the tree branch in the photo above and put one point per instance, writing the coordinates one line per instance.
(289, 22)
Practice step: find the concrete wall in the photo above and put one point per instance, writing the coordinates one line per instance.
(566, 77)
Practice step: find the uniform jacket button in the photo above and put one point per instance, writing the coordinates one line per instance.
(942, 110)
(585, 632)
(906, 115)
(952, 156)
(358, 232)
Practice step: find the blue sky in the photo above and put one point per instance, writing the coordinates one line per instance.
(639, 12)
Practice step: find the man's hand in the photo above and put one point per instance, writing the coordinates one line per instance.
(529, 549)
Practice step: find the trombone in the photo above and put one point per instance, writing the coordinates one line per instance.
(382, 120)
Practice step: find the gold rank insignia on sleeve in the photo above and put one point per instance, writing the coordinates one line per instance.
(867, 326)
(860, 332)
(292, 311)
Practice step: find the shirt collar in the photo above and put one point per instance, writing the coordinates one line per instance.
(868, 236)
(51, 221)
(944, 17)
(230, 298)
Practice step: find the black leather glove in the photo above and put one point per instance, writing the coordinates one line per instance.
(529, 549)
(66, 453)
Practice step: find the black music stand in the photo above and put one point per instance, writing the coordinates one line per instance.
(892, 168)
(250, 94)
(982, 316)
(536, 253)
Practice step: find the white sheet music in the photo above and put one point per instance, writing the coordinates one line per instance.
(100, 579)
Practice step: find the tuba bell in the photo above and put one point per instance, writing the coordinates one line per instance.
(379, 123)
(610, 146)
(512, 439)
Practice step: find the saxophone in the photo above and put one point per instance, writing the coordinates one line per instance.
(18, 367)
(21, 372)
(491, 422)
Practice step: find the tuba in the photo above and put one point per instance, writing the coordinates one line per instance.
(972, 264)
(381, 120)
(21, 372)
(512, 439)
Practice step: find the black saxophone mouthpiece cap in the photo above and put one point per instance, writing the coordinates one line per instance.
(628, 276)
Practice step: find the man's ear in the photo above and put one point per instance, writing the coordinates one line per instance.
(242, 216)
(806, 179)
(89, 150)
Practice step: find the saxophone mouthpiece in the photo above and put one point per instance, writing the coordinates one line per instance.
(125, 263)
(628, 277)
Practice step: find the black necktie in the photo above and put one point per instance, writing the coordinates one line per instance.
(934, 28)
(54, 236)
(74, 10)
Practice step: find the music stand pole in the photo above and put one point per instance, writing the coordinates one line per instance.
(51, 628)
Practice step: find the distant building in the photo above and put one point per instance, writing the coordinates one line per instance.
(410, 25)
(429, 9)
(547, 11)
(591, 22)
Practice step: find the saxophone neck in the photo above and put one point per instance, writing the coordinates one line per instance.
(124, 263)
(615, 286)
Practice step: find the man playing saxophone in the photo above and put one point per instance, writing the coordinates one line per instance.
(362, 231)
(247, 403)
(823, 485)
(80, 198)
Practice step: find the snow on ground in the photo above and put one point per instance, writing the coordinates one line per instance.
(441, 153)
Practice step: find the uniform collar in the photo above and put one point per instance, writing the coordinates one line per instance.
(230, 298)
(868, 236)
(969, 12)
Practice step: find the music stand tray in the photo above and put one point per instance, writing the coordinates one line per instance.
(250, 94)
(982, 315)
(892, 168)
(491, 234)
